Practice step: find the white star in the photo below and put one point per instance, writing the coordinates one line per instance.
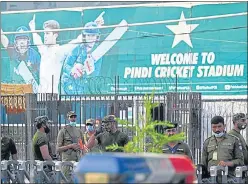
(70, 87)
(29, 63)
(182, 31)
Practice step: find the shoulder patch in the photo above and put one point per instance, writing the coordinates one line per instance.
(240, 147)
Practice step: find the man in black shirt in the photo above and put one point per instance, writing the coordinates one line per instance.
(8, 147)
(110, 136)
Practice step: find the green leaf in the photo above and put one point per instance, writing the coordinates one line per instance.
(147, 131)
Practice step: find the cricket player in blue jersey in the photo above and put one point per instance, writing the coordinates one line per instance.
(80, 65)
(20, 51)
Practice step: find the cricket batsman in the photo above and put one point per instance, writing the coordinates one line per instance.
(81, 62)
(20, 52)
(52, 54)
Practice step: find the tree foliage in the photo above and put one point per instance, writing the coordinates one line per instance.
(146, 138)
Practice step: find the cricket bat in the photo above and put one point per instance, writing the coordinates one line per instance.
(27, 75)
(100, 15)
(108, 43)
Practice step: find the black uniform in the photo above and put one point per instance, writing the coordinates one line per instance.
(180, 148)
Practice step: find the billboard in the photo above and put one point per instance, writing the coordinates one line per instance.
(166, 48)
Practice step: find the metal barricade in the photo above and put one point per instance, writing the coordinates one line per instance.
(241, 174)
(45, 172)
(199, 172)
(10, 171)
(60, 176)
(214, 173)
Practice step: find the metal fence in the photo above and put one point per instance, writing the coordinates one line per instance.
(188, 109)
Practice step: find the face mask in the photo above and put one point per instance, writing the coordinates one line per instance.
(242, 126)
(90, 128)
(47, 130)
(218, 134)
(73, 123)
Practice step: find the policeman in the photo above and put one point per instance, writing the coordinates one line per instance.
(90, 130)
(222, 149)
(68, 139)
(110, 136)
(176, 147)
(8, 147)
(41, 147)
(240, 123)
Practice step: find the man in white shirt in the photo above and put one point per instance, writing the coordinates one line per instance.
(52, 54)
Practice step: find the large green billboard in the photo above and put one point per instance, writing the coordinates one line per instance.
(207, 53)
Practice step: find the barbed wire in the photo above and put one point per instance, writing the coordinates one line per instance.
(140, 24)
(150, 36)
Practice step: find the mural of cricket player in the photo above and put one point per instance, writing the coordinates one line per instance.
(90, 36)
(52, 54)
(25, 61)
(85, 61)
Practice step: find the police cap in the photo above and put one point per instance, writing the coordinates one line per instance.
(173, 125)
(71, 113)
(239, 116)
(90, 122)
(109, 118)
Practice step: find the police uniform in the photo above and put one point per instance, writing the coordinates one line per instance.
(40, 139)
(66, 136)
(243, 144)
(237, 134)
(7, 147)
(70, 135)
(180, 148)
(228, 149)
(107, 139)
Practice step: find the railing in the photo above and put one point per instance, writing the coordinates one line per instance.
(44, 171)
(52, 172)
